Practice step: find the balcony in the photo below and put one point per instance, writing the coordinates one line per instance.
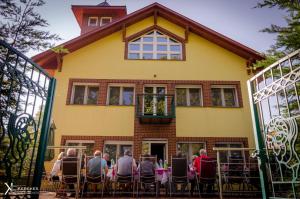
(155, 108)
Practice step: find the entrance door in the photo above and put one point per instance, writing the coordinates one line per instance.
(155, 100)
(158, 149)
(155, 147)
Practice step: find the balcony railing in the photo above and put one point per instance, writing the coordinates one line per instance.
(155, 108)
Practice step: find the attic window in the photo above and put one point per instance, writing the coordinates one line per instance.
(93, 21)
(155, 45)
(105, 20)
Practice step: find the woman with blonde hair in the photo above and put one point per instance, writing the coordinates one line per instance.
(56, 167)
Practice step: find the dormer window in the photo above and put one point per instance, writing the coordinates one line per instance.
(155, 45)
(93, 21)
(105, 20)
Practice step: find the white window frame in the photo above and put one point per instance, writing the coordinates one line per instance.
(229, 152)
(190, 146)
(154, 86)
(101, 22)
(222, 94)
(118, 144)
(122, 86)
(155, 52)
(86, 85)
(150, 141)
(187, 87)
(80, 142)
(89, 21)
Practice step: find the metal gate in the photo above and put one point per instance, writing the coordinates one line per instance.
(26, 96)
(274, 96)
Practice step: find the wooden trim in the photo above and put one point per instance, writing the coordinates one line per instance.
(124, 32)
(155, 17)
(155, 27)
(59, 59)
(186, 34)
(126, 50)
(47, 58)
(183, 52)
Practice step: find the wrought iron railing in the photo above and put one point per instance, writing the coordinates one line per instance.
(238, 175)
(155, 106)
(26, 95)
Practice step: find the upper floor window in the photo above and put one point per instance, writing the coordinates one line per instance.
(120, 95)
(93, 21)
(155, 45)
(188, 96)
(85, 94)
(105, 20)
(225, 96)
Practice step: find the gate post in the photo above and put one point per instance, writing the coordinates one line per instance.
(259, 143)
(38, 171)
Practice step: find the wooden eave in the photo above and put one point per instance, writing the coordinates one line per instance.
(47, 59)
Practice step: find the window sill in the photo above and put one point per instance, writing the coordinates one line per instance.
(179, 60)
(82, 104)
(226, 107)
(120, 105)
(190, 106)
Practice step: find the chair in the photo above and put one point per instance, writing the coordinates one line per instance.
(179, 172)
(124, 180)
(207, 175)
(236, 171)
(93, 179)
(70, 173)
(147, 179)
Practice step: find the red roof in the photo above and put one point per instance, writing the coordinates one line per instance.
(48, 59)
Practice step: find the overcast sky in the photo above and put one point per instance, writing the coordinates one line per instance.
(236, 19)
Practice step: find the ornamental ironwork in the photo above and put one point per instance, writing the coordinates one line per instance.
(26, 94)
(274, 98)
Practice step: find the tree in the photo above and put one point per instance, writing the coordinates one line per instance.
(288, 38)
(22, 26)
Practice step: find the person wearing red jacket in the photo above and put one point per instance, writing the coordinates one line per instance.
(197, 165)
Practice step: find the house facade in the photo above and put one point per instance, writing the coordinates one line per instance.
(152, 81)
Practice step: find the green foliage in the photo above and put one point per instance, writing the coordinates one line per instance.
(23, 27)
(269, 59)
(60, 49)
(288, 37)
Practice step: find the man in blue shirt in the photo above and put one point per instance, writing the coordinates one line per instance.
(97, 166)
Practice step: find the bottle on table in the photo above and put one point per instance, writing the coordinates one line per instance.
(160, 163)
(165, 164)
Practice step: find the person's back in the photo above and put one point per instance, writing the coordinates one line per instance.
(125, 165)
(147, 167)
(94, 166)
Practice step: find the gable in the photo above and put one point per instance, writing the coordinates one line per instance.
(159, 13)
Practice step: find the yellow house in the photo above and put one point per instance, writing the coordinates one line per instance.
(152, 81)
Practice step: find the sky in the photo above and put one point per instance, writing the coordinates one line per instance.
(236, 19)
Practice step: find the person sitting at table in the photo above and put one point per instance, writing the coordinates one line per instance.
(197, 165)
(106, 158)
(146, 166)
(56, 167)
(192, 176)
(197, 161)
(125, 164)
(96, 165)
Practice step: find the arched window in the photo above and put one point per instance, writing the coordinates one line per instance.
(155, 45)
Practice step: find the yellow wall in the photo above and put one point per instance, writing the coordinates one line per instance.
(104, 59)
